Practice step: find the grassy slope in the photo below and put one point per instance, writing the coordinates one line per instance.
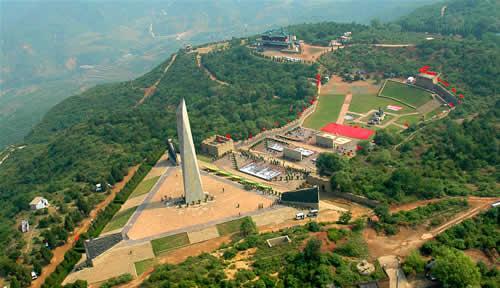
(170, 242)
(144, 187)
(142, 266)
(119, 220)
(407, 94)
(229, 227)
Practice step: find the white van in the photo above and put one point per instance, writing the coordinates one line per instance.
(300, 216)
(313, 213)
(33, 275)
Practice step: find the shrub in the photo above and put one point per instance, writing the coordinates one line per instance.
(313, 227)
(336, 234)
(414, 264)
(229, 254)
(122, 279)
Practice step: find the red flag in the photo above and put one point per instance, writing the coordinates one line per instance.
(424, 69)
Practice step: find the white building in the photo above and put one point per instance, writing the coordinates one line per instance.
(25, 226)
(39, 203)
(98, 187)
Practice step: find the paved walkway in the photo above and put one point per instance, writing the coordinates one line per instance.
(145, 203)
(392, 267)
(345, 108)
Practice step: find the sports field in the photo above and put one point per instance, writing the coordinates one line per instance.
(362, 103)
(405, 93)
(327, 111)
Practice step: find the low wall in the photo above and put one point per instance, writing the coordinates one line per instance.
(324, 185)
(307, 198)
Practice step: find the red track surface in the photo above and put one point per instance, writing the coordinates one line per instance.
(348, 131)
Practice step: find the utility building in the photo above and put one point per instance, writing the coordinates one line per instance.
(292, 154)
(193, 190)
(216, 146)
(325, 140)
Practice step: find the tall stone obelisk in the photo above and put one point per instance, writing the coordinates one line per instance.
(190, 171)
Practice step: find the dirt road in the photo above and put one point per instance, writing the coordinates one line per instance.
(409, 239)
(394, 45)
(208, 72)
(59, 252)
(151, 89)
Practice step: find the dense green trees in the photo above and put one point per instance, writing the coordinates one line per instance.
(454, 269)
(329, 163)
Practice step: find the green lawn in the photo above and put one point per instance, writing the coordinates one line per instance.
(434, 112)
(393, 128)
(407, 94)
(119, 220)
(362, 103)
(411, 119)
(229, 227)
(142, 266)
(144, 187)
(170, 242)
(327, 111)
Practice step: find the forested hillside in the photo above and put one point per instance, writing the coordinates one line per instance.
(463, 17)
